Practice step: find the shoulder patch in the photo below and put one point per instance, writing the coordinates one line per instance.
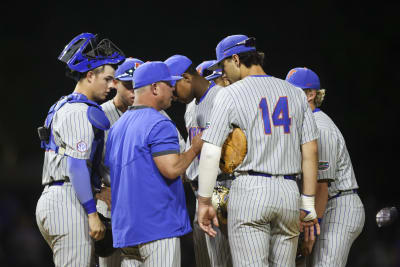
(323, 165)
(81, 146)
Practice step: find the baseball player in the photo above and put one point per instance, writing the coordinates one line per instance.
(199, 94)
(264, 204)
(73, 137)
(113, 109)
(344, 216)
(213, 76)
(148, 209)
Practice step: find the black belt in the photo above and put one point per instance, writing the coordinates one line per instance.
(343, 193)
(220, 177)
(56, 183)
(289, 177)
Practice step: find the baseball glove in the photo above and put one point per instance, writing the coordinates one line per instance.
(233, 151)
(104, 247)
(219, 201)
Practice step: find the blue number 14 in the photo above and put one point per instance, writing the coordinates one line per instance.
(280, 116)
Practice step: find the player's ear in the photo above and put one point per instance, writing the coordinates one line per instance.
(90, 75)
(154, 88)
(236, 60)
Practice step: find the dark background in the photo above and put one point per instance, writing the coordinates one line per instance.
(353, 46)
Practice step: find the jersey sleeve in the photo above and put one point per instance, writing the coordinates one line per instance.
(76, 132)
(309, 128)
(163, 139)
(327, 155)
(221, 119)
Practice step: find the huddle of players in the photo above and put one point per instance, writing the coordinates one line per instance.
(263, 222)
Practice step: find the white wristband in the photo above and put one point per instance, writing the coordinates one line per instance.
(307, 204)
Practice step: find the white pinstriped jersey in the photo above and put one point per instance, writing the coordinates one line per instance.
(275, 118)
(334, 159)
(197, 117)
(72, 131)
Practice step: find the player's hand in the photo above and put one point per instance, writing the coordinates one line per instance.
(197, 143)
(310, 228)
(307, 247)
(96, 227)
(105, 195)
(206, 216)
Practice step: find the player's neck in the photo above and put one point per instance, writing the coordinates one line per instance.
(312, 105)
(202, 89)
(145, 100)
(119, 104)
(80, 89)
(253, 70)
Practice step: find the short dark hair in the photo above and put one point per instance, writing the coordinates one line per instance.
(191, 70)
(251, 58)
(77, 76)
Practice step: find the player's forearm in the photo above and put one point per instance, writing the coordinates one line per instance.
(321, 198)
(208, 170)
(309, 167)
(80, 178)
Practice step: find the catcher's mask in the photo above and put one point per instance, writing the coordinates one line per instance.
(85, 53)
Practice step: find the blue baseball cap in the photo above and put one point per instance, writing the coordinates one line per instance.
(178, 64)
(204, 66)
(152, 72)
(125, 70)
(233, 44)
(303, 78)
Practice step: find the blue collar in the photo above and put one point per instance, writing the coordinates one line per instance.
(212, 84)
(259, 75)
(316, 110)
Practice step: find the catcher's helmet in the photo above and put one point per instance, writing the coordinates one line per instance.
(85, 53)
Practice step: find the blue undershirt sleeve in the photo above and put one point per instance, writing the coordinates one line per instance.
(80, 179)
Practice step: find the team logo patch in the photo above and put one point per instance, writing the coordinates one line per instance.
(208, 124)
(323, 165)
(82, 146)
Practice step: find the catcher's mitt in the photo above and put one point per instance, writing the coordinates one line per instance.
(219, 201)
(233, 151)
(104, 247)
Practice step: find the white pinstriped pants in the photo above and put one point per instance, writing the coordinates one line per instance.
(342, 223)
(64, 225)
(263, 221)
(160, 253)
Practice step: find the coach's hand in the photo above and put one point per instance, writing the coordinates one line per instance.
(105, 195)
(96, 227)
(206, 216)
(197, 143)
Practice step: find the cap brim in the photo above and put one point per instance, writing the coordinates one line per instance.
(173, 79)
(125, 79)
(213, 76)
(215, 66)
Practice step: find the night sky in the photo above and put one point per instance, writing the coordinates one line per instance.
(351, 45)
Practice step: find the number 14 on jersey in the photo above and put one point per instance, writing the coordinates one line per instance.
(280, 116)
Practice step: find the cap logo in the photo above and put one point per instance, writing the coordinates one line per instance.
(199, 70)
(291, 73)
(137, 64)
